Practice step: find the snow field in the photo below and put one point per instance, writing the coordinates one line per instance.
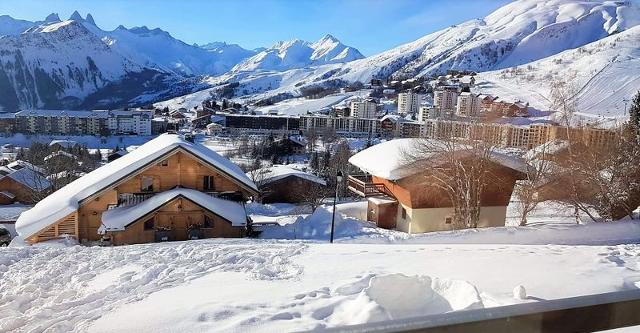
(62, 289)
(343, 284)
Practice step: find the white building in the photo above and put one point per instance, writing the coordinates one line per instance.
(130, 122)
(363, 108)
(468, 105)
(427, 112)
(446, 99)
(409, 102)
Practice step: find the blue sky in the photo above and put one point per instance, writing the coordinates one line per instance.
(371, 26)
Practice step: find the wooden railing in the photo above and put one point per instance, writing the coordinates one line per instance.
(132, 199)
(364, 186)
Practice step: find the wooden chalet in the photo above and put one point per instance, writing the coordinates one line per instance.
(21, 181)
(284, 183)
(403, 197)
(166, 189)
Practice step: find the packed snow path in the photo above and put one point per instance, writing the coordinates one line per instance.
(63, 289)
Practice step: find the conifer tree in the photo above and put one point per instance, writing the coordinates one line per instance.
(634, 116)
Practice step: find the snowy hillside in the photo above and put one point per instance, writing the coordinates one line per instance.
(518, 33)
(298, 54)
(514, 35)
(603, 73)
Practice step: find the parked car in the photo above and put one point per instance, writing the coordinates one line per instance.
(5, 237)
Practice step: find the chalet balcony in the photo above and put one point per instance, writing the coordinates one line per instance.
(132, 199)
(363, 186)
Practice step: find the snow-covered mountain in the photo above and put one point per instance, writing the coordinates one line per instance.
(157, 48)
(297, 53)
(518, 33)
(74, 63)
(603, 74)
(514, 35)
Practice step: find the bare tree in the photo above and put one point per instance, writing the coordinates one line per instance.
(329, 136)
(527, 190)
(459, 168)
(256, 171)
(562, 97)
(610, 176)
(312, 138)
(312, 194)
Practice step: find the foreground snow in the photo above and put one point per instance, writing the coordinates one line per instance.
(259, 285)
(287, 285)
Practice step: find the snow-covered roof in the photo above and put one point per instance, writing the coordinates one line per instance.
(548, 148)
(387, 160)
(392, 117)
(60, 153)
(67, 200)
(7, 194)
(63, 143)
(26, 174)
(11, 212)
(118, 219)
(278, 172)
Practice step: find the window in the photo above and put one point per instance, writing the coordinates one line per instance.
(404, 213)
(146, 184)
(164, 163)
(208, 222)
(208, 183)
(448, 220)
(149, 224)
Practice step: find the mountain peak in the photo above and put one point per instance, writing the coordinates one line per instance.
(76, 16)
(53, 17)
(90, 20)
(328, 37)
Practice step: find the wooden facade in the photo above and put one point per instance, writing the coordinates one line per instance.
(177, 168)
(176, 216)
(67, 226)
(418, 191)
(21, 192)
(289, 189)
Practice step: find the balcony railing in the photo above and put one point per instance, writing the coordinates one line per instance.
(132, 199)
(363, 185)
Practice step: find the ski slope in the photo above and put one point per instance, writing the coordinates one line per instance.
(603, 74)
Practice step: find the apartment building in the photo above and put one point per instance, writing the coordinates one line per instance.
(468, 105)
(445, 99)
(363, 108)
(409, 102)
(100, 123)
(427, 112)
(262, 123)
(343, 125)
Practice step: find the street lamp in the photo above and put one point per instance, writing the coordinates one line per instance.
(335, 199)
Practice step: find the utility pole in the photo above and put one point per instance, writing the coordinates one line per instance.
(335, 199)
